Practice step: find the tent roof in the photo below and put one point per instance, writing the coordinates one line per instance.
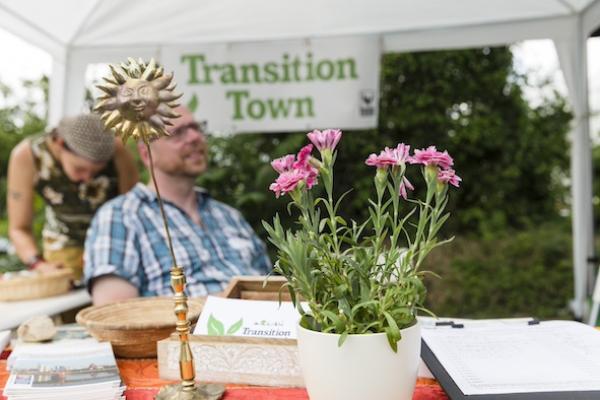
(69, 24)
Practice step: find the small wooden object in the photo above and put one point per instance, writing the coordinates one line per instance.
(255, 288)
(134, 326)
(239, 360)
(35, 286)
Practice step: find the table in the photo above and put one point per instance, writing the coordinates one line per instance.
(15, 312)
(141, 379)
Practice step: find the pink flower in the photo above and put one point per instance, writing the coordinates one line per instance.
(402, 151)
(294, 170)
(405, 185)
(287, 181)
(325, 140)
(449, 176)
(283, 164)
(431, 156)
(303, 157)
(388, 156)
(311, 177)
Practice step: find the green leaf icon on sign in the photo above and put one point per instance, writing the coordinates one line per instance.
(235, 327)
(192, 105)
(215, 327)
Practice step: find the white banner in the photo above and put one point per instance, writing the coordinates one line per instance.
(294, 85)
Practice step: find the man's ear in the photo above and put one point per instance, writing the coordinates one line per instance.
(143, 150)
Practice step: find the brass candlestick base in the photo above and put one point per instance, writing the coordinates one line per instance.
(210, 391)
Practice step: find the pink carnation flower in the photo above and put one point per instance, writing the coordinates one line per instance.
(449, 176)
(283, 164)
(431, 156)
(303, 164)
(287, 181)
(303, 157)
(402, 151)
(325, 140)
(294, 170)
(388, 156)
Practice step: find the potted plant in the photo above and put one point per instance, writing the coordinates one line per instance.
(358, 286)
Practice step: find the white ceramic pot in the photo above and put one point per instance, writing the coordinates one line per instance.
(364, 367)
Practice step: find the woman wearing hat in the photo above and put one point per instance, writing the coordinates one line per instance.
(75, 168)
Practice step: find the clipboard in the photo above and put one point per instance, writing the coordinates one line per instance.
(454, 392)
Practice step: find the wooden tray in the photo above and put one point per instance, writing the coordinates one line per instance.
(254, 288)
(239, 360)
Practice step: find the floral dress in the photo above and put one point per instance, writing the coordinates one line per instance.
(70, 206)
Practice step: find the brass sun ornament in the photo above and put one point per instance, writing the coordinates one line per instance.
(138, 100)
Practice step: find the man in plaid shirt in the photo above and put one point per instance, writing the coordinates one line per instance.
(126, 251)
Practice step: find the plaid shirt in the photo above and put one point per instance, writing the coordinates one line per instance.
(127, 239)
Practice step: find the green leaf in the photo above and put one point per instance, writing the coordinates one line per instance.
(192, 105)
(322, 224)
(215, 327)
(363, 304)
(342, 339)
(391, 339)
(235, 327)
(393, 332)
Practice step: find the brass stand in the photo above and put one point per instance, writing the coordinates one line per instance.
(131, 86)
(203, 392)
(187, 389)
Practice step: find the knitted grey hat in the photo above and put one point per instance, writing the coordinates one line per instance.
(87, 137)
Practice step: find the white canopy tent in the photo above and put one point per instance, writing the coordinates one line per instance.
(80, 32)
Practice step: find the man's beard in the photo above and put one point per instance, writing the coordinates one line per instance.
(185, 172)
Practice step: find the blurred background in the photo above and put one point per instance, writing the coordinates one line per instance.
(501, 112)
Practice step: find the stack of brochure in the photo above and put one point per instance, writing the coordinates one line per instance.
(62, 370)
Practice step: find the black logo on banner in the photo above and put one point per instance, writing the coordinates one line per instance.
(367, 102)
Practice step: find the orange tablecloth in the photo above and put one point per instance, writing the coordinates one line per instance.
(141, 379)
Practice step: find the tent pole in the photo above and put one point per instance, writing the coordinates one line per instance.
(56, 100)
(573, 58)
(67, 87)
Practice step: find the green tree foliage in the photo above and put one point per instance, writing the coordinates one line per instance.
(516, 273)
(19, 118)
(596, 186)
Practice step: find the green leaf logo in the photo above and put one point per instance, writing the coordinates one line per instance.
(215, 327)
(192, 105)
(235, 327)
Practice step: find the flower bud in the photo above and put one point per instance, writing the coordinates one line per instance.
(326, 155)
(381, 177)
(431, 172)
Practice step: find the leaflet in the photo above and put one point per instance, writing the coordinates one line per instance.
(501, 358)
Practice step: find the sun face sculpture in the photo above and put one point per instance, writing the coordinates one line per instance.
(138, 100)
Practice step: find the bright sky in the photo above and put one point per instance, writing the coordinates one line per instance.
(536, 58)
(21, 60)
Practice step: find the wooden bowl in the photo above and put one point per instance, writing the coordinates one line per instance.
(35, 286)
(134, 326)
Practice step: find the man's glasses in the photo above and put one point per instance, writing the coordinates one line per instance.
(179, 134)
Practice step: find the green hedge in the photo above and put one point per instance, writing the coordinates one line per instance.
(518, 273)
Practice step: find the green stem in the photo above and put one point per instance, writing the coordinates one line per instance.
(328, 180)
